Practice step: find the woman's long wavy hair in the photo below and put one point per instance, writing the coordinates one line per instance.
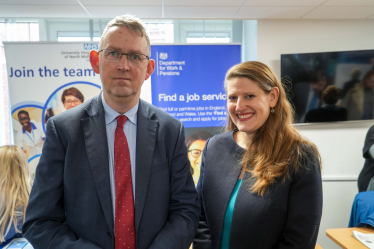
(15, 187)
(277, 145)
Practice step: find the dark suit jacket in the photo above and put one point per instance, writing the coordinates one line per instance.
(70, 203)
(301, 100)
(287, 216)
(328, 113)
(367, 171)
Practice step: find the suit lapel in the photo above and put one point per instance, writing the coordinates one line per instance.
(145, 145)
(95, 138)
(224, 175)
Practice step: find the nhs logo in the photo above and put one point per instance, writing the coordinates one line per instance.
(89, 46)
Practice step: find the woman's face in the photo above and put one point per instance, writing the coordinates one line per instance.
(249, 105)
(195, 152)
(71, 101)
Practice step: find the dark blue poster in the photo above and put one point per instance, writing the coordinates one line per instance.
(188, 82)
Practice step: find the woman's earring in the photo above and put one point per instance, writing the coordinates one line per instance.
(272, 110)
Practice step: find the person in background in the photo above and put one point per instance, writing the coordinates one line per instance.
(260, 182)
(367, 172)
(48, 114)
(195, 143)
(329, 112)
(307, 96)
(32, 133)
(359, 100)
(71, 97)
(15, 187)
(355, 78)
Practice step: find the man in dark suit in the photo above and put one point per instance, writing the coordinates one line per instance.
(114, 171)
(307, 96)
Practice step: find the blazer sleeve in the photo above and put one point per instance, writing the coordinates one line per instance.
(45, 215)
(304, 207)
(182, 222)
(202, 238)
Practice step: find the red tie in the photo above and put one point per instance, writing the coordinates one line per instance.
(124, 225)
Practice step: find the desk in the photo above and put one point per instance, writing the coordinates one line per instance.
(344, 238)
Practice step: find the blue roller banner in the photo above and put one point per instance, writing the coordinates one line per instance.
(188, 82)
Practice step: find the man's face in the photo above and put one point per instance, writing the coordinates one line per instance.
(319, 86)
(24, 120)
(122, 79)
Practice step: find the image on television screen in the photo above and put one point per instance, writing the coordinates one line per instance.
(331, 86)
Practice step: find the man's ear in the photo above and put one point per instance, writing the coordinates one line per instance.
(94, 59)
(150, 69)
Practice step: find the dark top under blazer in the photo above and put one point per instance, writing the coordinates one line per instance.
(70, 203)
(287, 216)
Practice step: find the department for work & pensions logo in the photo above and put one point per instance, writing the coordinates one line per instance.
(163, 56)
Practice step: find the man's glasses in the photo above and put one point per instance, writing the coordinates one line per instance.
(195, 153)
(69, 102)
(111, 55)
(24, 119)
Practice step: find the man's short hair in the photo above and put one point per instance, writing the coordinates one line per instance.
(319, 76)
(74, 92)
(24, 112)
(130, 22)
(331, 95)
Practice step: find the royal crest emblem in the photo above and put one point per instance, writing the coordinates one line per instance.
(163, 56)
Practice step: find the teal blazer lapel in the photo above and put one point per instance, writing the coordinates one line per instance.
(95, 138)
(145, 146)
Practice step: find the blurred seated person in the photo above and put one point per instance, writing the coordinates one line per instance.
(367, 171)
(359, 100)
(72, 97)
(329, 112)
(15, 187)
(195, 143)
(355, 78)
(307, 96)
(32, 133)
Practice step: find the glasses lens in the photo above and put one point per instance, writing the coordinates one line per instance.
(111, 55)
(135, 58)
(196, 153)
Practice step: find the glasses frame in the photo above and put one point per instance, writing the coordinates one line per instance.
(75, 102)
(127, 55)
(193, 154)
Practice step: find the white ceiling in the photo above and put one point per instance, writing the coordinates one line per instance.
(190, 9)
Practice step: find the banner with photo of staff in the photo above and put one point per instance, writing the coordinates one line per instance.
(188, 83)
(48, 78)
(45, 79)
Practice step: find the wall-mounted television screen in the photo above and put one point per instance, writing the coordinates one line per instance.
(331, 86)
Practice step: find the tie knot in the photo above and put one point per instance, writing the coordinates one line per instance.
(121, 119)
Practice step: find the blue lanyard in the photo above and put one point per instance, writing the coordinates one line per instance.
(32, 140)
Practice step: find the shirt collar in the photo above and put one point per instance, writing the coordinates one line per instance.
(33, 127)
(111, 115)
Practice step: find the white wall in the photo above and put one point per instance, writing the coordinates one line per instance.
(340, 144)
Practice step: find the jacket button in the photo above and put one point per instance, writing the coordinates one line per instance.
(110, 234)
